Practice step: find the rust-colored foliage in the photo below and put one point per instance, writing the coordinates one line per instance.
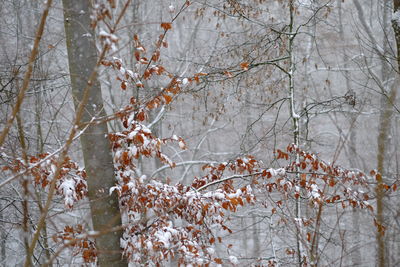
(71, 181)
(77, 238)
(166, 26)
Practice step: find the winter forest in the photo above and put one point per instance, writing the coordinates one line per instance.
(199, 133)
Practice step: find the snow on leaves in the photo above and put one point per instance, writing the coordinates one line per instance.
(71, 181)
(152, 207)
(137, 140)
(166, 221)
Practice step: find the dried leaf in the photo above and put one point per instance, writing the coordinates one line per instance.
(123, 85)
(166, 26)
(244, 65)
(218, 260)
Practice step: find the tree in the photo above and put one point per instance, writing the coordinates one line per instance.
(86, 90)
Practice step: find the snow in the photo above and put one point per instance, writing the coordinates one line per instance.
(295, 115)
(142, 178)
(103, 33)
(149, 245)
(182, 144)
(314, 192)
(122, 70)
(130, 73)
(133, 150)
(219, 195)
(112, 189)
(67, 188)
(130, 120)
(281, 171)
(233, 260)
(146, 141)
(53, 168)
(164, 237)
(299, 221)
(211, 251)
(237, 194)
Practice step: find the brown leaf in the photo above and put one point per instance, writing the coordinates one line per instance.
(218, 260)
(244, 65)
(123, 85)
(166, 26)
(167, 98)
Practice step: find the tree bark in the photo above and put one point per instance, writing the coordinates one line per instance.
(82, 57)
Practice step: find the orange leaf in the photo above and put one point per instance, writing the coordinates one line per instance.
(303, 165)
(123, 85)
(146, 74)
(218, 260)
(141, 116)
(125, 188)
(166, 26)
(167, 98)
(248, 199)
(86, 255)
(234, 201)
(244, 65)
(156, 56)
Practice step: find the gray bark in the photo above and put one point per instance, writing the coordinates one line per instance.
(82, 57)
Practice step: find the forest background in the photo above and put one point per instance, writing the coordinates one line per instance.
(210, 132)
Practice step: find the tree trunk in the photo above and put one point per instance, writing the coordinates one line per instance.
(356, 256)
(82, 57)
